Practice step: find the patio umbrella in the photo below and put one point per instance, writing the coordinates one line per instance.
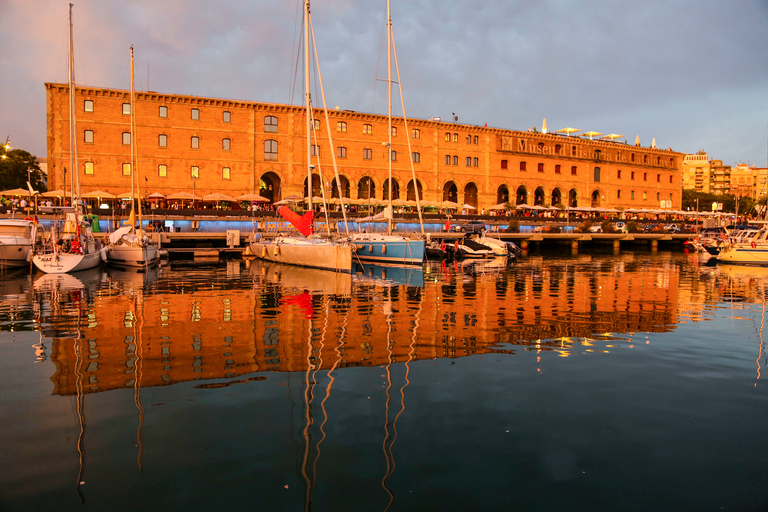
(502, 206)
(611, 136)
(156, 195)
(53, 193)
(218, 196)
(591, 134)
(252, 197)
(468, 207)
(451, 204)
(184, 195)
(568, 131)
(15, 192)
(98, 194)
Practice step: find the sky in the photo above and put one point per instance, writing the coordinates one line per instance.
(693, 74)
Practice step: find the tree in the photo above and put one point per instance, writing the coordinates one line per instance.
(16, 167)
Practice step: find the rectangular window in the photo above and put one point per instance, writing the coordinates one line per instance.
(618, 174)
(597, 174)
(658, 196)
(455, 137)
(541, 167)
(195, 142)
(126, 169)
(88, 167)
(393, 155)
(194, 171)
(126, 138)
(88, 137)
(475, 162)
(455, 160)
(447, 137)
(658, 178)
(469, 161)
(341, 152)
(367, 154)
(315, 124)
(226, 117)
(225, 144)
(573, 150)
(270, 149)
(341, 126)
(632, 175)
(162, 170)
(162, 140)
(573, 170)
(504, 164)
(367, 129)
(632, 194)
(618, 194)
(314, 150)
(162, 112)
(558, 169)
(522, 165)
(670, 179)
(416, 133)
(88, 106)
(416, 157)
(226, 173)
(645, 176)
(475, 139)
(127, 109)
(447, 159)
(195, 114)
(645, 195)
(394, 131)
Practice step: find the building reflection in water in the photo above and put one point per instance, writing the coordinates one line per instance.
(225, 323)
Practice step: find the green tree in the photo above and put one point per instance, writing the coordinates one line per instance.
(16, 166)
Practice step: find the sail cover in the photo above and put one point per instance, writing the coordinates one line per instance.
(303, 223)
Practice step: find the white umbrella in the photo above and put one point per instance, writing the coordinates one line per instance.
(252, 197)
(217, 196)
(98, 194)
(468, 207)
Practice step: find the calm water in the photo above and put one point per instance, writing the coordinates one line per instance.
(617, 383)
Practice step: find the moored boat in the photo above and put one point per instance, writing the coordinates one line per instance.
(17, 236)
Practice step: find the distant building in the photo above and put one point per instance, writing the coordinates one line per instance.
(204, 145)
(696, 172)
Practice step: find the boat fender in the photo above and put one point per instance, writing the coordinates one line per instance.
(263, 251)
(276, 250)
(103, 252)
(442, 245)
(370, 248)
(383, 249)
(456, 245)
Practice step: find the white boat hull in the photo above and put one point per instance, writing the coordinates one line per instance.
(62, 263)
(312, 253)
(133, 256)
(745, 254)
(16, 239)
(13, 256)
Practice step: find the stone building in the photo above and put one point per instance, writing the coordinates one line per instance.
(204, 145)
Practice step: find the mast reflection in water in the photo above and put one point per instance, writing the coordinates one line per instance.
(474, 385)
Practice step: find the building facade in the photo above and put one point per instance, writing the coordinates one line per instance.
(696, 172)
(205, 145)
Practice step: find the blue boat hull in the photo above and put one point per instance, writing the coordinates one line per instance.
(400, 251)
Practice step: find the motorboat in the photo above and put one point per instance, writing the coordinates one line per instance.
(467, 248)
(748, 250)
(17, 237)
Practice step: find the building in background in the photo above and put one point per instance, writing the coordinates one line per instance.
(204, 145)
(696, 172)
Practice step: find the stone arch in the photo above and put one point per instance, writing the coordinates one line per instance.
(342, 185)
(366, 188)
(410, 193)
(395, 189)
(317, 186)
(270, 186)
(502, 194)
(557, 198)
(470, 194)
(596, 198)
(573, 198)
(521, 195)
(538, 196)
(450, 192)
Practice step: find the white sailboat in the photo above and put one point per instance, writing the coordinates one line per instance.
(309, 250)
(388, 247)
(17, 236)
(129, 246)
(70, 245)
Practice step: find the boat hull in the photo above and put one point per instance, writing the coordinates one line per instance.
(745, 254)
(128, 256)
(16, 239)
(389, 249)
(62, 263)
(305, 253)
(14, 256)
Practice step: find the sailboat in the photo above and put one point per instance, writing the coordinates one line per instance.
(70, 245)
(308, 250)
(129, 246)
(388, 247)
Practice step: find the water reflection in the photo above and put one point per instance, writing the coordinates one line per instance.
(223, 322)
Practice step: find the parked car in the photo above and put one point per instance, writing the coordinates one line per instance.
(671, 228)
(596, 229)
(473, 226)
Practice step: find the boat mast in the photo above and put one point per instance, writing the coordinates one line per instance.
(134, 159)
(72, 121)
(308, 102)
(389, 114)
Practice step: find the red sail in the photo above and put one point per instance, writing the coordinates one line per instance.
(302, 223)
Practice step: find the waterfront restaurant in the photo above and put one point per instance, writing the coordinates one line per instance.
(205, 145)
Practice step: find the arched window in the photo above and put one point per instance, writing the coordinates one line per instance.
(341, 126)
(162, 140)
(341, 152)
(416, 157)
(367, 129)
(367, 154)
(270, 124)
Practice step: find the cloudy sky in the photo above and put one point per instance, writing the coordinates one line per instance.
(691, 73)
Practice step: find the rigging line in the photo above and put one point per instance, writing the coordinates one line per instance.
(760, 347)
(328, 127)
(295, 73)
(80, 403)
(308, 419)
(330, 384)
(310, 188)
